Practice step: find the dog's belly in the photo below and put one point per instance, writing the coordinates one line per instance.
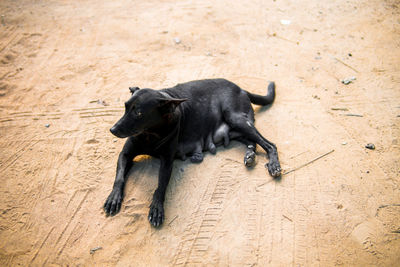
(221, 135)
(185, 149)
(203, 142)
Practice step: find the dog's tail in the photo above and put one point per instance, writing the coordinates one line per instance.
(263, 100)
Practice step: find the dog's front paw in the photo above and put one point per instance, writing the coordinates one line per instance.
(113, 202)
(250, 158)
(156, 213)
(274, 168)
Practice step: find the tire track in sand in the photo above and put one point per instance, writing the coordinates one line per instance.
(201, 229)
(83, 113)
(253, 217)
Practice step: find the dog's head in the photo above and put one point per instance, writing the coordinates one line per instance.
(145, 110)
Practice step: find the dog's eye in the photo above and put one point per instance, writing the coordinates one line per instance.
(138, 113)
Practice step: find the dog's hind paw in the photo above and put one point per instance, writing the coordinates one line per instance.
(197, 157)
(274, 168)
(156, 213)
(250, 158)
(113, 203)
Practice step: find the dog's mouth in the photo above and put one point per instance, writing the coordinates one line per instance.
(137, 133)
(120, 134)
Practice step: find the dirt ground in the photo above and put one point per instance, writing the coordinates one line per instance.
(65, 69)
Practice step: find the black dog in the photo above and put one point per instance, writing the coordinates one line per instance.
(184, 121)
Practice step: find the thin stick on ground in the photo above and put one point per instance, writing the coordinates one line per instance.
(353, 115)
(342, 109)
(347, 65)
(172, 220)
(307, 163)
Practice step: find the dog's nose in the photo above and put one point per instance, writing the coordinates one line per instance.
(113, 130)
(116, 131)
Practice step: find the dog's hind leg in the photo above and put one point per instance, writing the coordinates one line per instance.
(114, 200)
(246, 127)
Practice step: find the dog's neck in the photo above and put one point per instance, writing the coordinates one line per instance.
(167, 138)
(166, 131)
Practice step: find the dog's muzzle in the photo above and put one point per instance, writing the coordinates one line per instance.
(115, 131)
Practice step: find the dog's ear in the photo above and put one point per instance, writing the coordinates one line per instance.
(133, 89)
(168, 105)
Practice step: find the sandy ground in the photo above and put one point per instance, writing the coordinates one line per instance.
(67, 65)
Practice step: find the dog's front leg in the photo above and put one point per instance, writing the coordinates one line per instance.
(114, 200)
(156, 213)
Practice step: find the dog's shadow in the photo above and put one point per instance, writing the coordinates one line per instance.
(143, 176)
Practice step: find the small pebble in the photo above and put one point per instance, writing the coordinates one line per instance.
(47, 125)
(181, 169)
(344, 143)
(370, 146)
(285, 22)
(177, 40)
(102, 102)
(348, 80)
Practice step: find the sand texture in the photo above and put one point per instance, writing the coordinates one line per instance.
(65, 69)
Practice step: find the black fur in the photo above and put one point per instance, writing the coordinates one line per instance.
(184, 121)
